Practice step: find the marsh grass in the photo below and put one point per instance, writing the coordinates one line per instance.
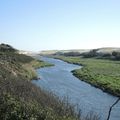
(101, 73)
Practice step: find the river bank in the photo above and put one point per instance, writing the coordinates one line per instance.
(20, 99)
(103, 74)
(62, 82)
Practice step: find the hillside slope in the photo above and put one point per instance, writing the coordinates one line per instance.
(22, 100)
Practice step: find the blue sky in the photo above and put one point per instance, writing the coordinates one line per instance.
(60, 24)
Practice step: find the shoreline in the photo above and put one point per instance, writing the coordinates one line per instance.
(106, 90)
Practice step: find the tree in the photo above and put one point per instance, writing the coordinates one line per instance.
(116, 55)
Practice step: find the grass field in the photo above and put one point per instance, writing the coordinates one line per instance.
(104, 74)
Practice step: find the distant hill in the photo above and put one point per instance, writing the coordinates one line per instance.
(7, 48)
(98, 50)
(27, 52)
(103, 53)
(50, 52)
(108, 49)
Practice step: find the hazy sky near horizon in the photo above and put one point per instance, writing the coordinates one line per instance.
(60, 24)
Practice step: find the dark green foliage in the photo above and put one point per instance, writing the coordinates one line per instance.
(92, 53)
(15, 57)
(6, 48)
(72, 54)
(23, 100)
(106, 55)
(58, 53)
(116, 55)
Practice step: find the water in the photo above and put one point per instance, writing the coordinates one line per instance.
(60, 80)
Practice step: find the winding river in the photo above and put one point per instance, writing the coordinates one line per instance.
(60, 80)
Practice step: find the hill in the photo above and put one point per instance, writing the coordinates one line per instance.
(58, 52)
(108, 50)
(102, 53)
(80, 51)
(6, 48)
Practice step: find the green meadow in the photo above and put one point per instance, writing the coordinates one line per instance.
(101, 73)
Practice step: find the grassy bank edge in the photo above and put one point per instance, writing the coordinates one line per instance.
(88, 79)
(20, 99)
(31, 67)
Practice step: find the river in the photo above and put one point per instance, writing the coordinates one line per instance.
(60, 80)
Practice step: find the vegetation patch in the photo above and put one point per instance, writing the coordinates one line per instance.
(22, 100)
(101, 73)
